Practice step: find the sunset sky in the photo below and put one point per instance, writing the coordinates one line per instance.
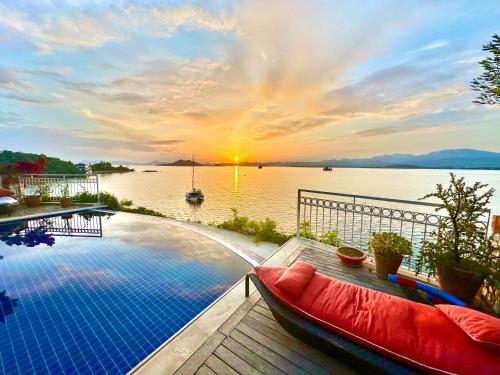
(262, 80)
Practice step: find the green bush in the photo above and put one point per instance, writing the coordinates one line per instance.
(260, 230)
(330, 238)
(126, 203)
(142, 211)
(389, 244)
(305, 230)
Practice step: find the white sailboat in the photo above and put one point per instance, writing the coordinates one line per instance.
(195, 196)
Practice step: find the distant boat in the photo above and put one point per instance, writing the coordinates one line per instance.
(327, 169)
(194, 196)
(260, 166)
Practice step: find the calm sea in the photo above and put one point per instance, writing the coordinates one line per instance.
(272, 191)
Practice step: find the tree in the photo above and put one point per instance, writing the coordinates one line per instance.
(488, 83)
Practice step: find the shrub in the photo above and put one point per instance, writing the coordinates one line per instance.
(330, 238)
(305, 230)
(110, 200)
(126, 203)
(260, 230)
(389, 244)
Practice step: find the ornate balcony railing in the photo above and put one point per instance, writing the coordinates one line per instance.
(355, 217)
(82, 224)
(79, 187)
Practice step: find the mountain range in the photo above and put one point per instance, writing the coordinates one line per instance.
(444, 159)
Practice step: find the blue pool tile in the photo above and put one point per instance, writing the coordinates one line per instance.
(91, 305)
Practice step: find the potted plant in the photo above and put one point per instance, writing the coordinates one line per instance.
(495, 223)
(65, 197)
(33, 200)
(350, 256)
(34, 195)
(389, 249)
(459, 252)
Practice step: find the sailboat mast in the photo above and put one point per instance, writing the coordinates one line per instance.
(192, 177)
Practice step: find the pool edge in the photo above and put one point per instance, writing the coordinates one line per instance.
(173, 353)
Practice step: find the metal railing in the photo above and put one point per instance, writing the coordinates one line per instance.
(355, 217)
(79, 187)
(82, 224)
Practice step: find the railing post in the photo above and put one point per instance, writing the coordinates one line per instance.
(97, 187)
(298, 211)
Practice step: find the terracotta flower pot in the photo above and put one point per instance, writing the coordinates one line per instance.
(8, 181)
(461, 283)
(33, 200)
(385, 265)
(495, 223)
(350, 256)
(65, 202)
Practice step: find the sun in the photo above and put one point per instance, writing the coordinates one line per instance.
(236, 159)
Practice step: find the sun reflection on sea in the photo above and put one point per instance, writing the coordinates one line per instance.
(235, 185)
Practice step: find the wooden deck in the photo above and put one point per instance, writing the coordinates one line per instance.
(252, 342)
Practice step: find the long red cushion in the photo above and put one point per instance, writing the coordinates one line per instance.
(296, 278)
(410, 332)
(482, 328)
(6, 192)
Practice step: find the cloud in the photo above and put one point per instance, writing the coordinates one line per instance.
(12, 119)
(288, 127)
(164, 142)
(76, 26)
(433, 45)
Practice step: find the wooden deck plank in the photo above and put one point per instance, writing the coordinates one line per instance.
(293, 344)
(218, 366)
(267, 354)
(235, 362)
(263, 311)
(279, 346)
(200, 356)
(205, 370)
(250, 357)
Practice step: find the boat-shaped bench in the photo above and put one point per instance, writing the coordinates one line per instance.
(372, 331)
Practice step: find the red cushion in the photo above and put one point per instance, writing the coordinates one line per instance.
(414, 333)
(295, 279)
(6, 192)
(480, 327)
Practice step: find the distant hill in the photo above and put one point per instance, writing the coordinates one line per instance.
(54, 165)
(106, 167)
(460, 158)
(181, 163)
(445, 159)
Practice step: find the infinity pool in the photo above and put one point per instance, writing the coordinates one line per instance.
(96, 293)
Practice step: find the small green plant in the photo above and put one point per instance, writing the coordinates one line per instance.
(389, 244)
(330, 238)
(65, 192)
(86, 197)
(305, 230)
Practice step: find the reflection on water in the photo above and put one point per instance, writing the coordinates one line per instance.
(235, 185)
(31, 233)
(272, 191)
(7, 305)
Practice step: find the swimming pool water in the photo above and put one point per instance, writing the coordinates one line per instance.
(97, 294)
